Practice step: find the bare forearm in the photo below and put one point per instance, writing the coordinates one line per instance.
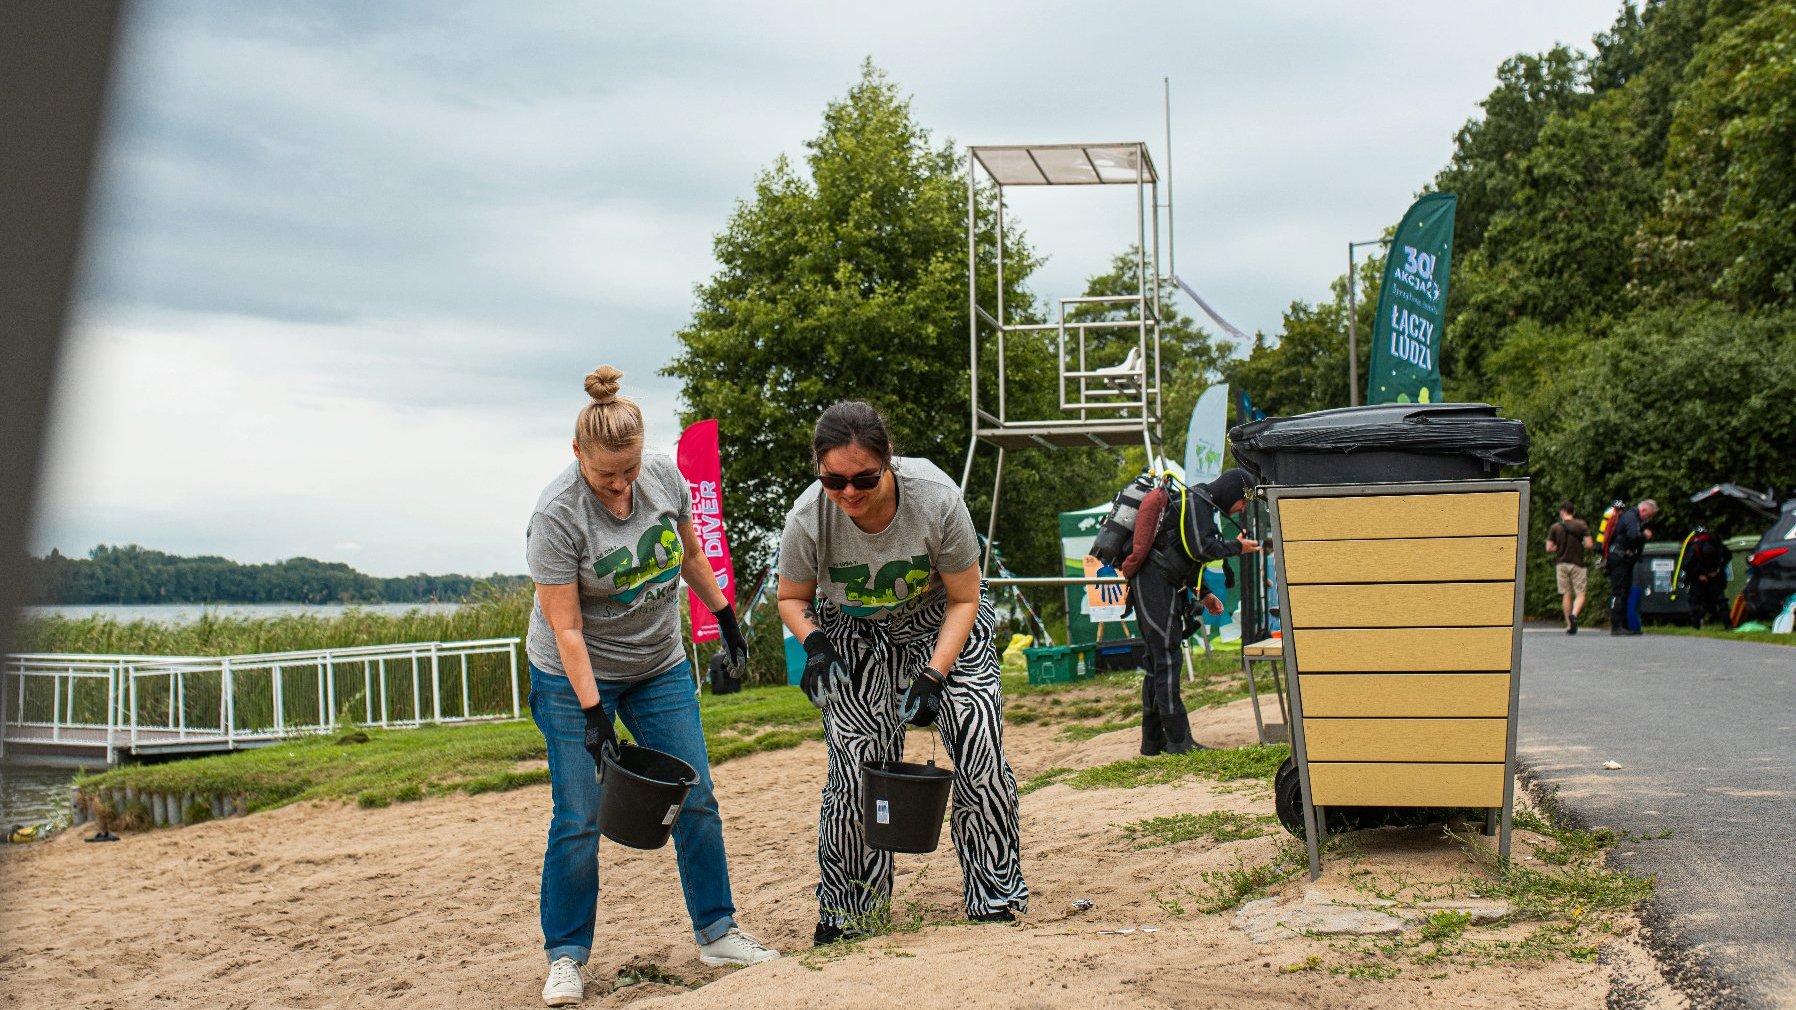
(799, 616)
(702, 579)
(571, 644)
(957, 627)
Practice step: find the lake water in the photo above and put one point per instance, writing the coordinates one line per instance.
(30, 795)
(187, 613)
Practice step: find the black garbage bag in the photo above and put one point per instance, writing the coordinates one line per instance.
(1382, 443)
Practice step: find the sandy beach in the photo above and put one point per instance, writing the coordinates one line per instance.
(433, 905)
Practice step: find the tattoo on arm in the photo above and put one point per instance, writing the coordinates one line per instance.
(810, 613)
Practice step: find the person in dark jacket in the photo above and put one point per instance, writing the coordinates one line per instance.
(1625, 544)
(1163, 573)
(1705, 561)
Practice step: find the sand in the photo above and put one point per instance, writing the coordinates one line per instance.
(433, 904)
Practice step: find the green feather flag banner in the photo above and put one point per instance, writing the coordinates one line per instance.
(1412, 305)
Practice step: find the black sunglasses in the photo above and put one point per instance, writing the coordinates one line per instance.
(861, 481)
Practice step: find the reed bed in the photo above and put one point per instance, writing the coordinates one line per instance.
(489, 613)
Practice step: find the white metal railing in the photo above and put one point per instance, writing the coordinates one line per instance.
(65, 700)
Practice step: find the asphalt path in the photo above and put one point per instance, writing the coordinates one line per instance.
(1705, 732)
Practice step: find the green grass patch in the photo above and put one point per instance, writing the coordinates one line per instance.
(1257, 761)
(1081, 732)
(1219, 826)
(1570, 892)
(384, 767)
(1574, 902)
(1763, 637)
(1043, 780)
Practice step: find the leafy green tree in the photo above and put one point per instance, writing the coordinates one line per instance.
(1531, 89)
(1673, 401)
(848, 280)
(1726, 223)
(1556, 252)
(1624, 276)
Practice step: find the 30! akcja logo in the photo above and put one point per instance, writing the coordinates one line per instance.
(1417, 262)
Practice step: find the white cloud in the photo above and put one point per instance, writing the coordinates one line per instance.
(350, 262)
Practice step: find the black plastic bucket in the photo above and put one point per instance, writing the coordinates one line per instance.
(902, 805)
(641, 791)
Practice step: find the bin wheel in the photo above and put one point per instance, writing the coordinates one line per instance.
(1287, 796)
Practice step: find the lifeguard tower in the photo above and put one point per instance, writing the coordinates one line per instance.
(1108, 389)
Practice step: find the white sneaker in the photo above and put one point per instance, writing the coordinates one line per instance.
(565, 987)
(735, 947)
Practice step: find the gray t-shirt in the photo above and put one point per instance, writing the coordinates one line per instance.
(876, 575)
(628, 570)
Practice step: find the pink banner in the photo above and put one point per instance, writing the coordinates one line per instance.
(703, 470)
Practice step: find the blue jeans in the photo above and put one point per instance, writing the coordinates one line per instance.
(660, 712)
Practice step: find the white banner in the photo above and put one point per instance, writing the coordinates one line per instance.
(1205, 438)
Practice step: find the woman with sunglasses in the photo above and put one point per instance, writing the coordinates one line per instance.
(879, 578)
(609, 542)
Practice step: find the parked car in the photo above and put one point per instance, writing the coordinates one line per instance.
(1771, 567)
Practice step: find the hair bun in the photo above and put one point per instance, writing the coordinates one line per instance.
(602, 383)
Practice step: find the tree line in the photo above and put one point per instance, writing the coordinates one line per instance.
(1624, 283)
(1625, 261)
(1624, 276)
(133, 574)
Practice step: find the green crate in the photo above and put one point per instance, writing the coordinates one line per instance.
(1059, 664)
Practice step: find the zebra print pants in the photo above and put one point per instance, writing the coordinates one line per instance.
(861, 724)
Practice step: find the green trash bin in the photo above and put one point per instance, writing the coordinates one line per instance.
(1060, 664)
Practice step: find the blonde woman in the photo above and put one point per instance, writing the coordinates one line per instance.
(609, 542)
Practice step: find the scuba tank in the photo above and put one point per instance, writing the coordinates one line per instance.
(1606, 527)
(1116, 534)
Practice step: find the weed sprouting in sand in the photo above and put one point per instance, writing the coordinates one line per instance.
(639, 970)
(886, 914)
(1219, 826)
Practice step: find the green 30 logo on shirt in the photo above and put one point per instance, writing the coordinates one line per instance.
(896, 583)
(656, 559)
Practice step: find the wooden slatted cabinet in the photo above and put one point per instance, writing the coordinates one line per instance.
(1402, 610)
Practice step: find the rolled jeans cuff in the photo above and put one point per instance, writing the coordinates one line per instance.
(715, 931)
(580, 954)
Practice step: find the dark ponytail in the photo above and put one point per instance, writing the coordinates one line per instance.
(851, 422)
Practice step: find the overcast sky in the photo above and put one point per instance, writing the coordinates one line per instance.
(350, 261)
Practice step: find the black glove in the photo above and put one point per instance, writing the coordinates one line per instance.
(823, 669)
(1191, 610)
(735, 647)
(601, 736)
(923, 703)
